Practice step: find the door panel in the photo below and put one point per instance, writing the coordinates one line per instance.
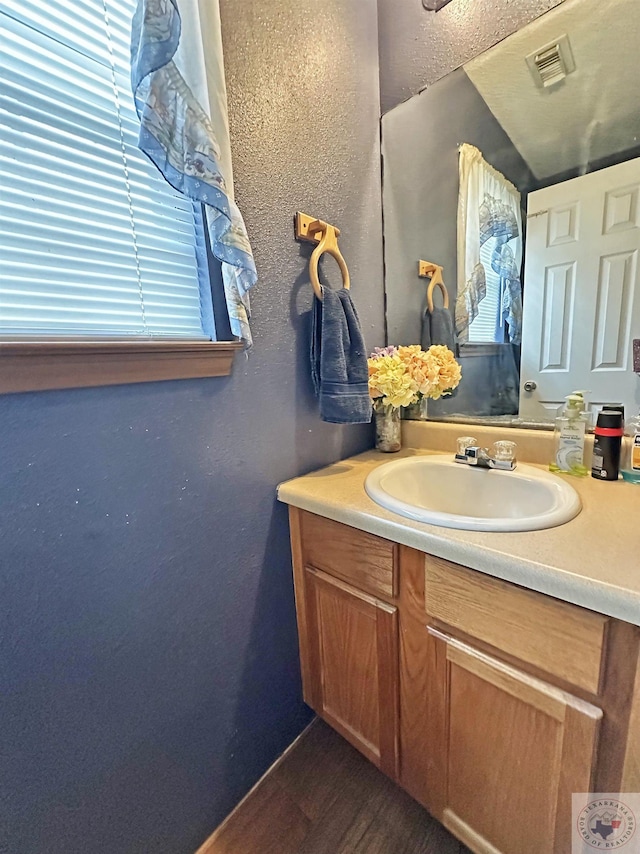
(516, 747)
(582, 291)
(557, 299)
(354, 650)
(616, 281)
(347, 637)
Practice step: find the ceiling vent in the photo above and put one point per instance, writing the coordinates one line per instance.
(551, 64)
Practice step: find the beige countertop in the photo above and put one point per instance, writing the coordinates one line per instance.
(593, 561)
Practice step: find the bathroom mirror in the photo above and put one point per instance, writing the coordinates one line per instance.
(546, 128)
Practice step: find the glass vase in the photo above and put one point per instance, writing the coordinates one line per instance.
(388, 429)
(417, 411)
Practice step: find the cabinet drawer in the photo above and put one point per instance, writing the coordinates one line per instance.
(561, 639)
(366, 561)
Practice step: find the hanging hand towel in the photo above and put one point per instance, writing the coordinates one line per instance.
(339, 360)
(437, 328)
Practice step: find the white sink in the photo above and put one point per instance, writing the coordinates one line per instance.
(434, 489)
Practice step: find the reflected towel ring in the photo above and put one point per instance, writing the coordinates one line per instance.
(434, 272)
(329, 244)
(445, 294)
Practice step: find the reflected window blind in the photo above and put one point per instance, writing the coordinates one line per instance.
(93, 241)
(487, 327)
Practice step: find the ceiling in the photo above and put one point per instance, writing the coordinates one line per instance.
(594, 112)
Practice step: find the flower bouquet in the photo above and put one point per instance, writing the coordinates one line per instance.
(401, 376)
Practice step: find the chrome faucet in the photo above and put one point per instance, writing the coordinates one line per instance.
(471, 454)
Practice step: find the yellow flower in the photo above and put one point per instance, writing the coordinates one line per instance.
(403, 376)
(390, 380)
(449, 370)
(435, 371)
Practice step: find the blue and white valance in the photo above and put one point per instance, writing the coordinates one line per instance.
(181, 102)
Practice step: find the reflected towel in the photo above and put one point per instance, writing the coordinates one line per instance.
(339, 360)
(437, 328)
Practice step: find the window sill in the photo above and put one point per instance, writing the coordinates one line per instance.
(469, 351)
(38, 365)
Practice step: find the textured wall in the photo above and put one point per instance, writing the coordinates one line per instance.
(148, 652)
(419, 47)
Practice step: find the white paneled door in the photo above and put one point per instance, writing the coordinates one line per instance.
(582, 291)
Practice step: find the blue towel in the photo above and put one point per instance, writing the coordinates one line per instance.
(437, 328)
(339, 360)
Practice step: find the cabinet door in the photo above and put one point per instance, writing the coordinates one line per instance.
(353, 667)
(516, 749)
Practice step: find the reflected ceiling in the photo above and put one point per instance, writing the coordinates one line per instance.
(547, 125)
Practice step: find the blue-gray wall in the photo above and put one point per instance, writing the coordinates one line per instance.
(148, 650)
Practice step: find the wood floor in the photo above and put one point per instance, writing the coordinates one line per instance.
(325, 798)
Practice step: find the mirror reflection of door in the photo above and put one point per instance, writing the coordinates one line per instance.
(581, 291)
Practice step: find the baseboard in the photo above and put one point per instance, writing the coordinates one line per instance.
(207, 847)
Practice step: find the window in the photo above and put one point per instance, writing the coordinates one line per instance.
(488, 326)
(489, 300)
(94, 243)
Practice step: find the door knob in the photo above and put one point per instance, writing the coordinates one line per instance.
(530, 385)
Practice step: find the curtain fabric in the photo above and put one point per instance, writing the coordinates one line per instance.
(182, 105)
(488, 206)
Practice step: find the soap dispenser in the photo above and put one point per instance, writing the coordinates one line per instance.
(630, 458)
(569, 435)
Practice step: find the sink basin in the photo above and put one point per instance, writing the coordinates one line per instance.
(434, 489)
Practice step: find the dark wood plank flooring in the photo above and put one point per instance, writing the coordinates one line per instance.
(325, 798)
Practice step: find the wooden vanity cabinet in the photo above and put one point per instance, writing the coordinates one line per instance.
(348, 635)
(490, 704)
(353, 662)
(515, 748)
(514, 736)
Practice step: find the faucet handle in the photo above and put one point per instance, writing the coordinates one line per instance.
(504, 451)
(464, 442)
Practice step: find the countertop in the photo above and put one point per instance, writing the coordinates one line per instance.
(592, 561)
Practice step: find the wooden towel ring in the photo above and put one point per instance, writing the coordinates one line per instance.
(329, 244)
(434, 272)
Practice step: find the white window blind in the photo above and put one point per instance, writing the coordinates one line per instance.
(487, 327)
(93, 241)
